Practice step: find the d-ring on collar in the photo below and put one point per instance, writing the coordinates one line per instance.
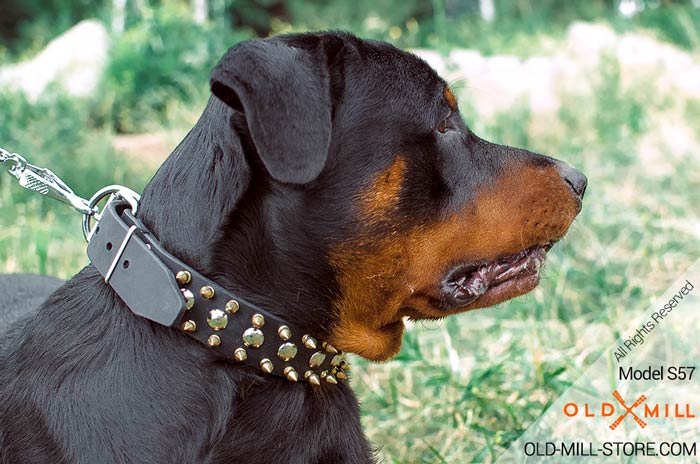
(156, 285)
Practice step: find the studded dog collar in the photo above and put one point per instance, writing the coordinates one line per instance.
(156, 285)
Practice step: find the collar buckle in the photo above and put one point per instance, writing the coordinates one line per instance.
(122, 251)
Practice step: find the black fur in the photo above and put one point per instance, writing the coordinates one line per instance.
(253, 198)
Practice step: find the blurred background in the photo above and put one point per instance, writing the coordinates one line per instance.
(101, 92)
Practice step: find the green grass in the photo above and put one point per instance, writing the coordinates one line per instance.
(461, 390)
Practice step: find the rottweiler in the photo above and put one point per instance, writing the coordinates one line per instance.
(332, 186)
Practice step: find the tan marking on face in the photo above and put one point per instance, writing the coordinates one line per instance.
(450, 97)
(383, 192)
(384, 278)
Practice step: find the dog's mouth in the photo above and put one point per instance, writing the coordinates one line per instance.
(495, 281)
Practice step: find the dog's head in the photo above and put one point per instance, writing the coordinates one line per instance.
(338, 185)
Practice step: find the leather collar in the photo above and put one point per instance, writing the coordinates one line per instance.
(156, 285)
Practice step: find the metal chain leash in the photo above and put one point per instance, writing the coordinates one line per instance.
(45, 182)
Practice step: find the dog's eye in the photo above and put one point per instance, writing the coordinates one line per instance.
(443, 126)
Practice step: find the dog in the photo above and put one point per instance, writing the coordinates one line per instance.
(331, 182)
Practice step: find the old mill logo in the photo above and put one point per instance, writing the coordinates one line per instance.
(628, 410)
(639, 410)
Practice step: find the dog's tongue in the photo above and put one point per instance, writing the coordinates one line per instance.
(471, 286)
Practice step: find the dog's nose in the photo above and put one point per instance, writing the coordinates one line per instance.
(575, 178)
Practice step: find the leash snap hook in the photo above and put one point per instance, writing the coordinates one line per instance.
(43, 181)
(17, 164)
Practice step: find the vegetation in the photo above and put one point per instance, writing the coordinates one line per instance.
(461, 390)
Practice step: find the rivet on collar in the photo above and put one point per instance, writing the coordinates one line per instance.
(287, 351)
(317, 359)
(253, 338)
(217, 319)
(189, 298)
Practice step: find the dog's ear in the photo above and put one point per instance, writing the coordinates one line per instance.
(284, 92)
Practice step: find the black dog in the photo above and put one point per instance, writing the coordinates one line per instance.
(332, 182)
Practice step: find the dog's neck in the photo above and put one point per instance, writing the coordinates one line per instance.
(197, 187)
(209, 205)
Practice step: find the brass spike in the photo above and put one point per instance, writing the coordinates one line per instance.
(258, 320)
(240, 355)
(331, 379)
(309, 342)
(330, 348)
(324, 374)
(344, 365)
(337, 360)
(183, 277)
(291, 373)
(232, 306)
(214, 340)
(207, 292)
(189, 326)
(266, 365)
(284, 332)
(312, 378)
(342, 375)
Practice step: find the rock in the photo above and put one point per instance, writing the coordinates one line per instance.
(588, 41)
(573, 72)
(495, 83)
(74, 60)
